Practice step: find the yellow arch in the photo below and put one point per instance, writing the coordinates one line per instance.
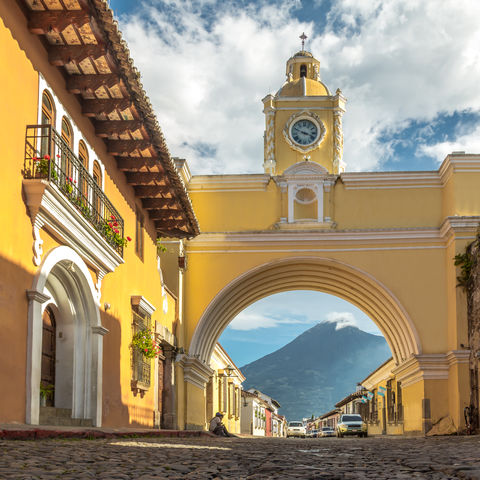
(308, 273)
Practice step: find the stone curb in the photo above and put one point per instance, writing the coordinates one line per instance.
(40, 434)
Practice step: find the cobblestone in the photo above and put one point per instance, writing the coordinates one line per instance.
(242, 458)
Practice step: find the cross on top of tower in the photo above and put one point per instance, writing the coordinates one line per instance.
(303, 37)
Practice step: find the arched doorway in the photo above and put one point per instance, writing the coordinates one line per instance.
(64, 327)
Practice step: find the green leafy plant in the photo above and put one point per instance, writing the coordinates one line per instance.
(68, 186)
(160, 247)
(144, 342)
(112, 233)
(466, 262)
(42, 166)
(46, 390)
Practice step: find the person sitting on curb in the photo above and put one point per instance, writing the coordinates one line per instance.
(217, 427)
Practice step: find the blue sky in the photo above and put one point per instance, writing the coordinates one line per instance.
(410, 70)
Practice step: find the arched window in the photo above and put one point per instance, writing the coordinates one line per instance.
(97, 177)
(83, 155)
(48, 109)
(47, 118)
(67, 133)
(303, 70)
(66, 163)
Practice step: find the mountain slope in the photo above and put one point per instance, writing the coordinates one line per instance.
(317, 369)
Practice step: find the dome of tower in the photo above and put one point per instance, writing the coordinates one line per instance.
(303, 77)
(303, 87)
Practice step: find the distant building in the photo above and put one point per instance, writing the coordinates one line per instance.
(253, 416)
(224, 390)
(329, 419)
(384, 410)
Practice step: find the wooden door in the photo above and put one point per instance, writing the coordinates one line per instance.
(48, 353)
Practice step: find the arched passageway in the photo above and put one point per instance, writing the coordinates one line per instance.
(308, 273)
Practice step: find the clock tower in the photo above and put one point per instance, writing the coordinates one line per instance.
(303, 120)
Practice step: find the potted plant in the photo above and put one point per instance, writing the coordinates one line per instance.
(46, 391)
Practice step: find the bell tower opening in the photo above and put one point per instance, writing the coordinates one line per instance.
(303, 71)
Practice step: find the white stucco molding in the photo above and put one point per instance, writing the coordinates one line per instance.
(455, 357)
(50, 208)
(460, 226)
(453, 163)
(433, 366)
(143, 304)
(229, 183)
(100, 330)
(459, 162)
(195, 371)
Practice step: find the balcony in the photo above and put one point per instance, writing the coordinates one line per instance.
(49, 158)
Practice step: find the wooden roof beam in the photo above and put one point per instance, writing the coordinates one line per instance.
(94, 107)
(155, 203)
(143, 178)
(60, 55)
(151, 191)
(134, 164)
(170, 223)
(119, 147)
(109, 127)
(81, 83)
(165, 215)
(46, 21)
(165, 231)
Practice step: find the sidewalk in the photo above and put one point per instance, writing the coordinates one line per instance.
(37, 432)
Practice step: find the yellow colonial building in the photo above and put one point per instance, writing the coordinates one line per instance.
(384, 241)
(224, 390)
(90, 328)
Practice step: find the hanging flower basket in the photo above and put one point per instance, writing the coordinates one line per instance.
(144, 342)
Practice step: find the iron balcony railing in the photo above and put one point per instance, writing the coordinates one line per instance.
(48, 156)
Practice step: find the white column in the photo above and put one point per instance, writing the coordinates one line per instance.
(34, 355)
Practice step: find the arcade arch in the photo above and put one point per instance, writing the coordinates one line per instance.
(308, 273)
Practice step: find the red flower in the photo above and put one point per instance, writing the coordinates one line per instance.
(46, 157)
(112, 217)
(116, 231)
(70, 178)
(115, 224)
(35, 159)
(129, 239)
(58, 155)
(74, 181)
(110, 225)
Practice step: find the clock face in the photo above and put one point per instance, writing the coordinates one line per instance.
(304, 132)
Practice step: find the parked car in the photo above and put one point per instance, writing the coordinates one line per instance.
(296, 429)
(315, 433)
(326, 432)
(351, 424)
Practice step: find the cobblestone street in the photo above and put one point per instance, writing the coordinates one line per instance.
(242, 458)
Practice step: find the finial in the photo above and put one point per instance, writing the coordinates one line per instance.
(303, 37)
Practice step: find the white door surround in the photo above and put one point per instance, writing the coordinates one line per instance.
(63, 280)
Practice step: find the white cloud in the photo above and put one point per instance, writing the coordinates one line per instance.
(342, 319)
(469, 143)
(248, 320)
(395, 61)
